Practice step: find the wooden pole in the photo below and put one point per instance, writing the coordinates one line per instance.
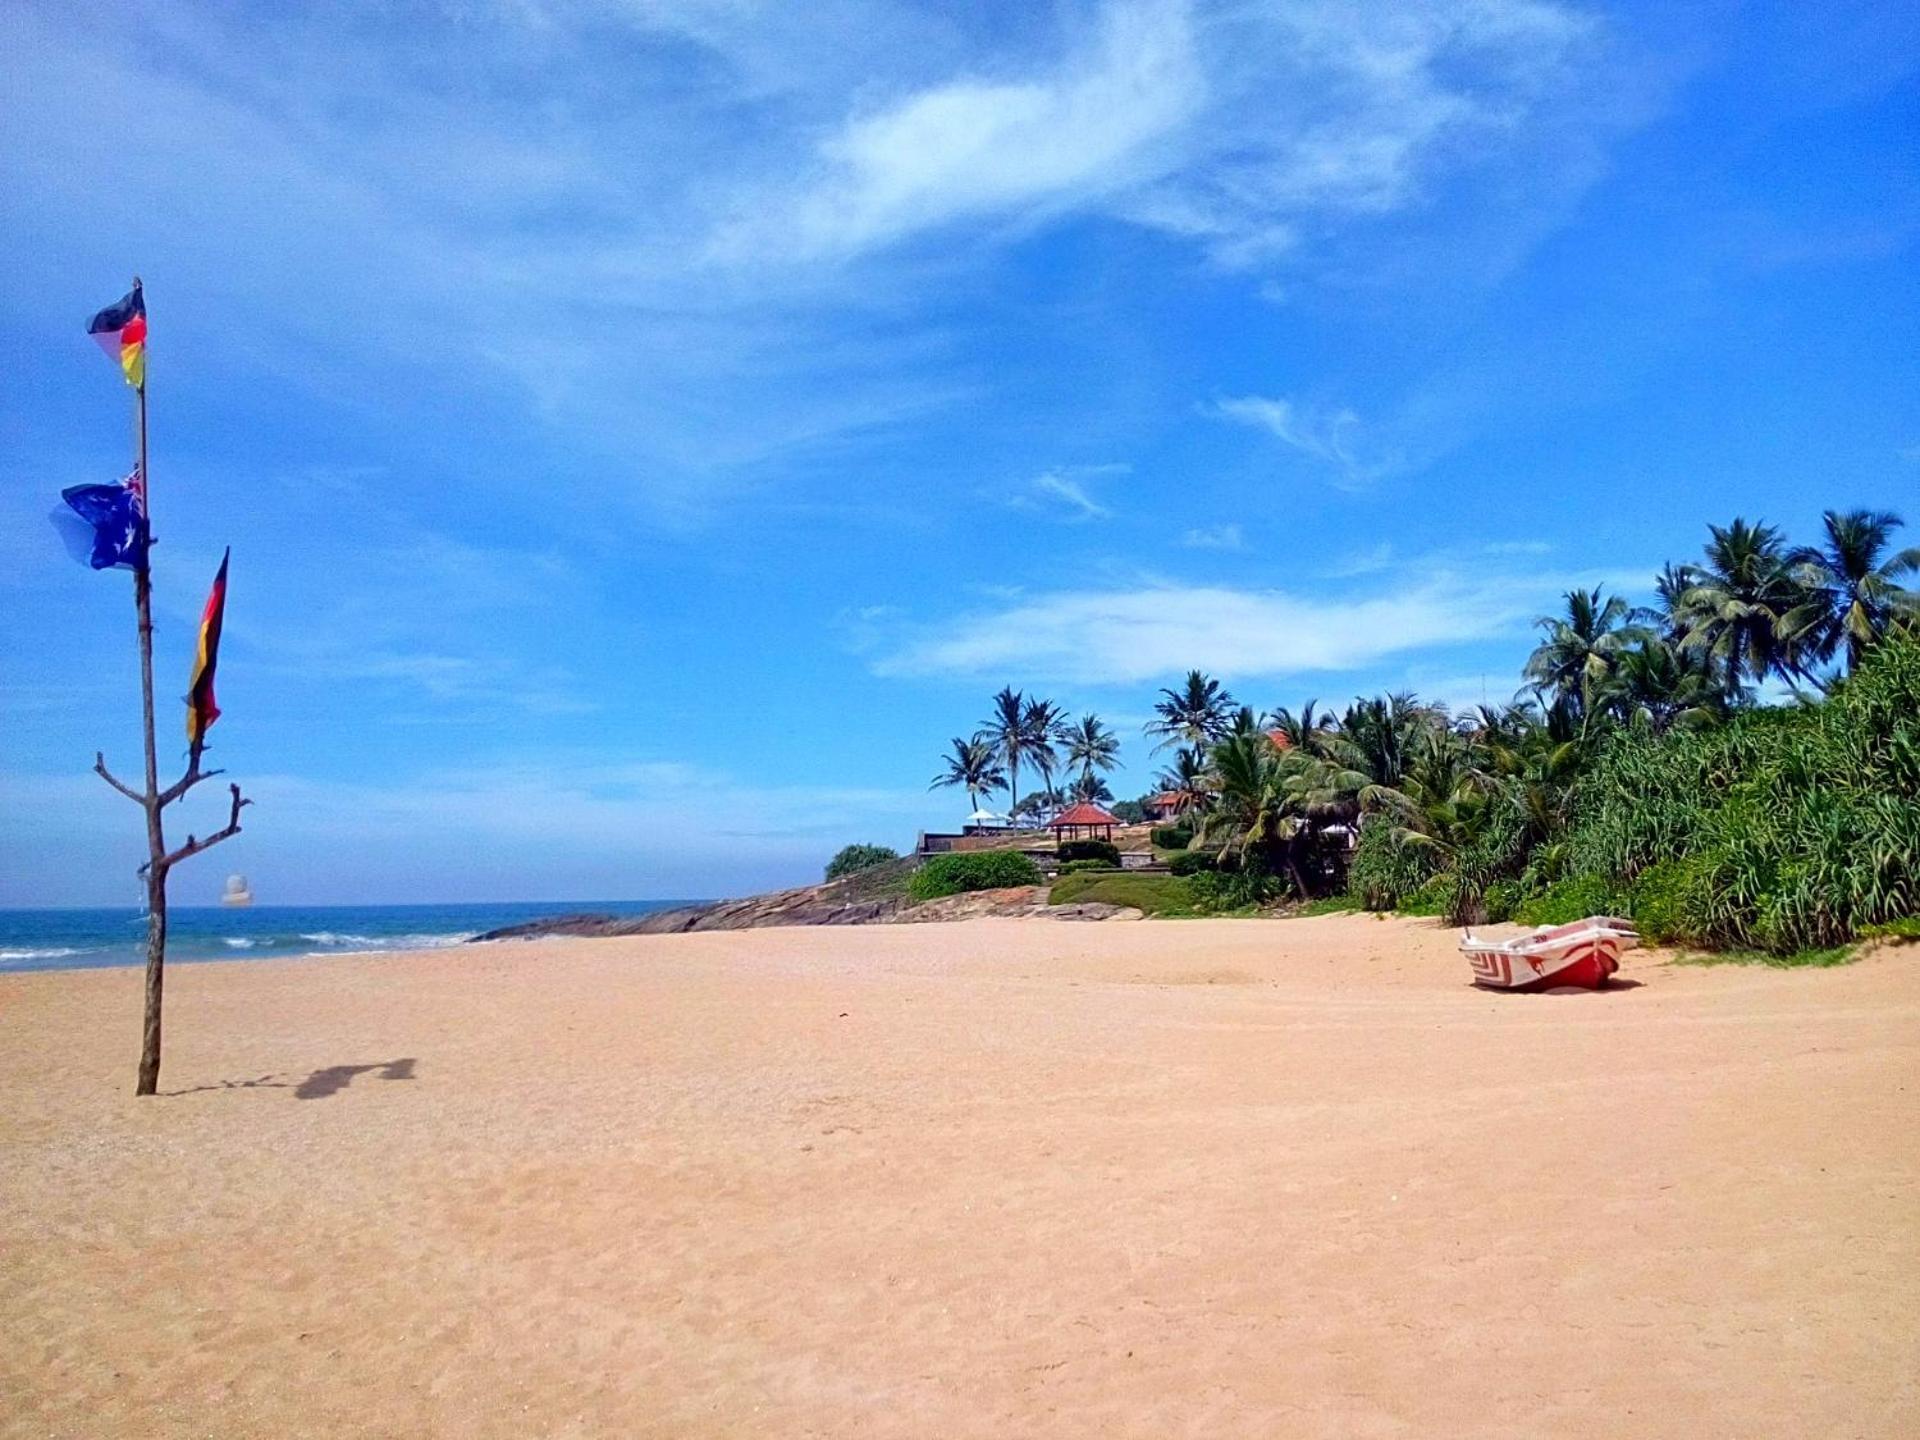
(149, 1078)
(152, 800)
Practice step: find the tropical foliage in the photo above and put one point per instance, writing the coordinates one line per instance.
(854, 858)
(1639, 768)
(974, 870)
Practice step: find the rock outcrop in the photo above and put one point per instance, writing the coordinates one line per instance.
(815, 905)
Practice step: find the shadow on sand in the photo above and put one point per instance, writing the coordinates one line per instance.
(335, 1078)
(319, 1085)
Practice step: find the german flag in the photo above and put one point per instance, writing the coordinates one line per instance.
(201, 709)
(121, 331)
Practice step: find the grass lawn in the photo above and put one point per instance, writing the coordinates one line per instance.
(1151, 894)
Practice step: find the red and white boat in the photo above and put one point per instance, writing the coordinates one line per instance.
(1581, 955)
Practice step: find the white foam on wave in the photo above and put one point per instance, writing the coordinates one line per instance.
(238, 942)
(377, 944)
(52, 952)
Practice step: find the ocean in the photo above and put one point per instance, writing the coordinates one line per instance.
(90, 939)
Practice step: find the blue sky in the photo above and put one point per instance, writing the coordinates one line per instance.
(648, 430)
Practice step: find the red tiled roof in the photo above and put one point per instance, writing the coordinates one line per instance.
(1083, 814)
(1279, 739)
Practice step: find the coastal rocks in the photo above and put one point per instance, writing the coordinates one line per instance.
(815, 905)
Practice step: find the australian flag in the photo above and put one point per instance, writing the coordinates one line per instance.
(118, 515)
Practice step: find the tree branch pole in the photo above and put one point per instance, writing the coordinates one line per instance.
(152, 799)
(156, 867)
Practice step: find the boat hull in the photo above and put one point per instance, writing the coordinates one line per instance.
(1581, 956)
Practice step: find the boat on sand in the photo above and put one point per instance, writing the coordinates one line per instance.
(1581, 955)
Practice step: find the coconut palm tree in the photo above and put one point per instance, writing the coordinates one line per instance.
(1378, 735)
(1660, 686)
(1090, 789)
(1196, 715)
(1188, 779)
(974, 765)
(1273, 803)
(1308, 730)
(1046, 729)
(1090, 747)
(1005, 731)
(1579, 648)
(1737, 608)
(1853, 585)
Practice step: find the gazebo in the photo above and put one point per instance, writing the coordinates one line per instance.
(1084, 821)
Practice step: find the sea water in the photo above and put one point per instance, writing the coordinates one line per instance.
(86, 939)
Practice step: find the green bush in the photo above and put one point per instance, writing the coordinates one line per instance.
(1218, 892)
(1433, 897)
(855, 858)
(972, 870)
(1084, 867)
(1193, 862)
(1500, 900)
(1147, 893)
(1102, 850)
(1574, 898)
(1385, 871)
(1171, 837)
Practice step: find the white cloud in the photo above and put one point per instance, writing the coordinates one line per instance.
(1331, 435)
(1215, 537)
(975, 147)
(1238, 126)
(1129, 635)
(1067, 491)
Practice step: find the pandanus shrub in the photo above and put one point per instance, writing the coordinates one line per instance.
(1785, 829)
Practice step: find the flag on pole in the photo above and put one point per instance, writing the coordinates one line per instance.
(118, 515)
(121, 331)
(201, 709)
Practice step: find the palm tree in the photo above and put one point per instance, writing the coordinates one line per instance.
(1736, 609)
(1196, 715)
(1579, 648)
(1189, 779)
(1659, 686)
(1671, 585)
(1090, 747)
(1854, 592)
(974, 765)
(1091, 789)
(1378, 735)
(1046, 727)
(1005, 732)
(1274, 803)
(1307, 730)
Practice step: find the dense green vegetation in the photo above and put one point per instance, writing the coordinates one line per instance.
(972, 870)
(1736, 766)
(854, 858)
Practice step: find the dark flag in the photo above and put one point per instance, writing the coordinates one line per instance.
(118, 515)
(201, 709)
(121, 331)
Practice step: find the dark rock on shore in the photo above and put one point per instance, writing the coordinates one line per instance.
(813, 905)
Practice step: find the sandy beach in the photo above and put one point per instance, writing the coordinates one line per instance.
(1001, 1177)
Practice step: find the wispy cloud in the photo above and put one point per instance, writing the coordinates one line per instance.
(1331, 435)
(1068, 492)
(978, 147)
(1241, 127)
(1215, 537)
(1131, 634)
(1127, 636)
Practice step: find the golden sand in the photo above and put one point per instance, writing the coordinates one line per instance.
(997, 1178)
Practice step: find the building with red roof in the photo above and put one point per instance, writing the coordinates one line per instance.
(1082, 821)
